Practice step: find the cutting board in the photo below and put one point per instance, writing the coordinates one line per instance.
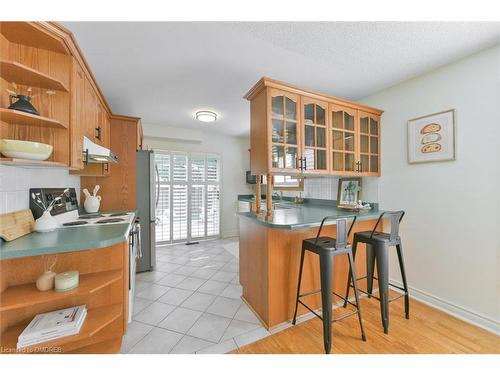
(16, 224)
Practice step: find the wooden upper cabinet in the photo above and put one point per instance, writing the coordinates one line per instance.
(344, 140)
(90, 109)
(77, 125)
(284, 132)
(369, 144)
(101, 130)
(315, 137)
(42, 58)
(300, 132)
(140, 135)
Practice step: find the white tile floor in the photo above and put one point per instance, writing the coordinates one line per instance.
(191, 303)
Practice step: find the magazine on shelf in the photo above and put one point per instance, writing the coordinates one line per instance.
(53, 325)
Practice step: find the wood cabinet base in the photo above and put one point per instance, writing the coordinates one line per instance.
(103, 289)
(269, 268)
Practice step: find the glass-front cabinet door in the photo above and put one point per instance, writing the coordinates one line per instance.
(315, 158)
(285, 135)
(344, 144)
(369, 144)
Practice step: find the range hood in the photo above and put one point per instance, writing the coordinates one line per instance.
(96, 154)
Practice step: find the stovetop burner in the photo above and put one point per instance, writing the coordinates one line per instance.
(75, 223)
(118, 214)
(90, 216)
(106, 221)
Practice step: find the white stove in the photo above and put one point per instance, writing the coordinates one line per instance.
(65, 212)
(72, 219)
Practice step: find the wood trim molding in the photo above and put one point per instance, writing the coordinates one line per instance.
(268, 82)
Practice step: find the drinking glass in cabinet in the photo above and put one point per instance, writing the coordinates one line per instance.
(291, 133)
(291, 157)
(278, 156)
(277, 135)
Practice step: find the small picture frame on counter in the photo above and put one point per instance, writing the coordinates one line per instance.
(348, 192)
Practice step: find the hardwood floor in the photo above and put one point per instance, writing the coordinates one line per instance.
(429, 331)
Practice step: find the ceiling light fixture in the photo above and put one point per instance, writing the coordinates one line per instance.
(206, 116)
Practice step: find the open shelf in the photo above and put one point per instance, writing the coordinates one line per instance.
(32, 163)
(12, 116)
(21, 296)
(13, 71)
(97, 319)
(33, 35)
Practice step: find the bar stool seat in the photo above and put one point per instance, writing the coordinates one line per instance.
(321, 244)
(369, 236)
(327, 248)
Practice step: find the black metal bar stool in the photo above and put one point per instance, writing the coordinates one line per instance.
(327, 248)
(377, 251)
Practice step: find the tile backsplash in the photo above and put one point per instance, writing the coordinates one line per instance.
(15, 183)
(326, 188)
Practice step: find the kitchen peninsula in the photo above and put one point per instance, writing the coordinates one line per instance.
(299, 132)
(270, 256)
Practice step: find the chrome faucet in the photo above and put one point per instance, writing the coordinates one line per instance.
(277, 195)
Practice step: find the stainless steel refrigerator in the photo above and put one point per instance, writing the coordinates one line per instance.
(146, 204)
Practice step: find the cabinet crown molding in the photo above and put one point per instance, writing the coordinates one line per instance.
(268, 82)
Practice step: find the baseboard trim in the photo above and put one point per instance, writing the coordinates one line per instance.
(453, 309)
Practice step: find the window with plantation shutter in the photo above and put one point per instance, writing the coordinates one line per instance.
(189, 199)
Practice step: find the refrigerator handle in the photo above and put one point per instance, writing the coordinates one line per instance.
(157, 182)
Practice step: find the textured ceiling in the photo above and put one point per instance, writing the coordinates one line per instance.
(165, 71)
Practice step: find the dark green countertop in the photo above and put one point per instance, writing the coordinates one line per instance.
(65, 240)
(305, 215)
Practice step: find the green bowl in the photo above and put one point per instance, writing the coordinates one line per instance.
(12, 148)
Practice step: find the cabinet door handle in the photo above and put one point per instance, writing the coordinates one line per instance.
(305, 163)
(98, 133)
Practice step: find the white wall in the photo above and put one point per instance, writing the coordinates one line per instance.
(234, 155)
(451, 229)
(15, 183)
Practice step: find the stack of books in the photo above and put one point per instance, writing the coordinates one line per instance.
(53, 325)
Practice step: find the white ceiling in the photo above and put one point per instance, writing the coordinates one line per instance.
(165, 71)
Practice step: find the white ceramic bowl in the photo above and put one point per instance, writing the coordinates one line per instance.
(12, 148)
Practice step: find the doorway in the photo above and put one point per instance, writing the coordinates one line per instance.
(188, 201)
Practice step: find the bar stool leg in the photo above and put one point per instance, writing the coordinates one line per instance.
(302, 253)
(399, 248)
(382, 258)
(370, 267)
(352, 268)
(326, 272)
(354, 246)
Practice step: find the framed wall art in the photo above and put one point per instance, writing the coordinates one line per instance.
(432, 137)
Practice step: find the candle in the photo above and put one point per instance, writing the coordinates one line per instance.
(66, 281)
